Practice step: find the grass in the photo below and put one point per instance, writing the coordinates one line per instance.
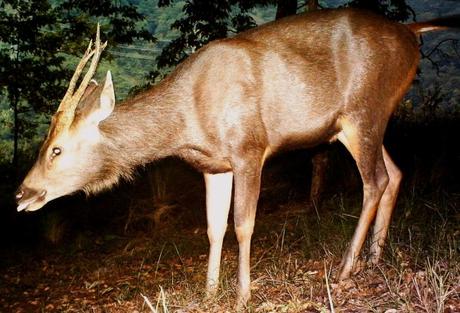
(295, 255)
(293, 262)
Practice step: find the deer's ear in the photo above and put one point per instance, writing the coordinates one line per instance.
(106, 103)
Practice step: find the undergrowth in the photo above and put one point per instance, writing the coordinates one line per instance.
(296, 251)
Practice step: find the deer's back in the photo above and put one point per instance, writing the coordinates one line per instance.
(288, 83)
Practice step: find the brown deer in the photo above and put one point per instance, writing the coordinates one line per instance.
(293, 83)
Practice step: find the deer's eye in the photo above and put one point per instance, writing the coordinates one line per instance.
(55, 152)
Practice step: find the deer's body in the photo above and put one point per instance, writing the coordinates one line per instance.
(294, 83)
(273, 92)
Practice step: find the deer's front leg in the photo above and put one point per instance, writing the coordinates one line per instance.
(218, 198)
(247, 188)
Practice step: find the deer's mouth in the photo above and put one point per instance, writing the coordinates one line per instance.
(31, 202)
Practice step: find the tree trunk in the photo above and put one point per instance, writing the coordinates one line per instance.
(286, 8)
(312, 5)
(14, 100)
(318, 175)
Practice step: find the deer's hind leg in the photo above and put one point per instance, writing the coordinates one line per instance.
(386, 206)
(364, 142)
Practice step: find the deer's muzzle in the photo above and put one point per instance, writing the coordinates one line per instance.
(26, 196)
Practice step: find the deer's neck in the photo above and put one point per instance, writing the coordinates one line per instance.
(144, 128)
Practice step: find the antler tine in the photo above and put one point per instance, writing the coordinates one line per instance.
(81, 65)
(92, 69)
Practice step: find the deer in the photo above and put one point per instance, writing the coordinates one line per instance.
(307, 79)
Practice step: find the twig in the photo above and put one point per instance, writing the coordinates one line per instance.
(329, 296)
(149, 304)
(163, 300)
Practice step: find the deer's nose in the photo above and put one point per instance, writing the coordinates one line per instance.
(25, 193)
(19, 194)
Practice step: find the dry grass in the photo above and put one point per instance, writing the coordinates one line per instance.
(420, 271)
(295, 256)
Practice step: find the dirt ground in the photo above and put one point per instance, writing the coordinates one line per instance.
(294, 259)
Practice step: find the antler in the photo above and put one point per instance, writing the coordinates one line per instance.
(71, 98)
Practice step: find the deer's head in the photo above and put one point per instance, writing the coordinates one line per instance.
(69, 158)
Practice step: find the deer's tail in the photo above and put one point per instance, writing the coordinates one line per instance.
(452, 21)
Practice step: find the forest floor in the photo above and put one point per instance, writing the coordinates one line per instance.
(295, 255)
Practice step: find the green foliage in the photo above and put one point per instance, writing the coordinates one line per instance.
(119, 21)
(52, 35)
(202, 22)
(29, 65)
(37, 38)
(6, 142)
(397, 10)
